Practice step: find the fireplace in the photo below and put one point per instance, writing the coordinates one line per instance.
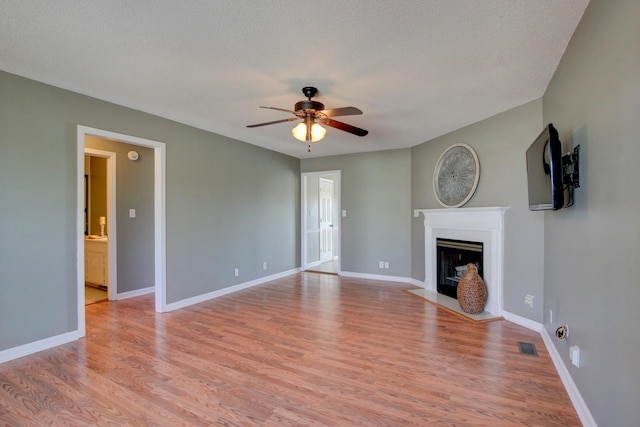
(484, 225)
(452, 259)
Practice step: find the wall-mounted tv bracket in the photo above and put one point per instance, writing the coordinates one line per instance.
(571, 168)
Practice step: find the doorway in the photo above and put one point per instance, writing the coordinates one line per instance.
(320, 220)
(100, 250)
(326, 219)
(159, 215)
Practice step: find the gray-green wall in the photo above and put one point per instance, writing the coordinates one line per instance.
(229, 205)
(500, 143)
(376, 193)
(593, 249)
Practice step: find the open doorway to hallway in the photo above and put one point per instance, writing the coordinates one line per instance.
(320, 219)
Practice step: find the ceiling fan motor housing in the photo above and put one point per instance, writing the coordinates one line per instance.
(309, 105)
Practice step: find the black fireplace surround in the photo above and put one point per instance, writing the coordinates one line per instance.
(452, 254)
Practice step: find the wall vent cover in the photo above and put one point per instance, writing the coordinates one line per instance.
(527, 348)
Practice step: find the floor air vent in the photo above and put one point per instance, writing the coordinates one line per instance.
(527, 348)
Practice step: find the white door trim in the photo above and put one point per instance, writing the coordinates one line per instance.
(303, 217)
(112, 274)
(159, 201)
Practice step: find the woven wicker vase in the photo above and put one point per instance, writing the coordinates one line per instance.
(472, 292)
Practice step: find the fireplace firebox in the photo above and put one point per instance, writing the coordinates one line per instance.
(453, 257)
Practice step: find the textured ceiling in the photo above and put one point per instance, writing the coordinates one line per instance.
(417, 69)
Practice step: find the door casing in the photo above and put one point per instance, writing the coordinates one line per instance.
(303, 216)
(159, 202)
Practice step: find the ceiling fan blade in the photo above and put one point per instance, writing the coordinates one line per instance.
(345, 127)
(279, 109)
(274, 122)
(344, 111)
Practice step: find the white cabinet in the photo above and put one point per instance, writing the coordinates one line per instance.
(96, 262)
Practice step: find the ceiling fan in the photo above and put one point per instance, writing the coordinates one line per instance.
(313, 114)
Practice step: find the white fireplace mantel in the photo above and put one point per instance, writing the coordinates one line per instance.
(484, 225)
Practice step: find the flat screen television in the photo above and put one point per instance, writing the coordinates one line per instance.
(545, 171)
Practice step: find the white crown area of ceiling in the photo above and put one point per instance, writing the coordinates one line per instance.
(417, 69)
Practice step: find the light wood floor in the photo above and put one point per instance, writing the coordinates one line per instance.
(329, 267)
(93, 295)
(309, 349)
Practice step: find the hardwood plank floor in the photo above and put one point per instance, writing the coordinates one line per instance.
(309, 349)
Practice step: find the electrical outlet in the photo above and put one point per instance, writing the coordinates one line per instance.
(528, 301)
(380, 264)
(264, 265)
(574, 355)
(236, 272)
(386, 264)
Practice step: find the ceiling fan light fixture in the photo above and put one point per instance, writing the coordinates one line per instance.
(300, 132)
(317, 132)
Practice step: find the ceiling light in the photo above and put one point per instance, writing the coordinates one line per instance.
(304, 134)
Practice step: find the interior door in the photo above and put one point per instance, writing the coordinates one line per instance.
(326, 220)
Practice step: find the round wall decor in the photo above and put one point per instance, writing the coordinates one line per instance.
(456, 176)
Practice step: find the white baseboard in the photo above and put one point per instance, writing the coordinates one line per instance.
(417, 283)
(522, 321)
(220, 292)
(36, 346)
(136, 293)
(376, 277)
(576, 398)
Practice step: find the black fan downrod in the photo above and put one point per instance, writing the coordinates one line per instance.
(309, 92)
